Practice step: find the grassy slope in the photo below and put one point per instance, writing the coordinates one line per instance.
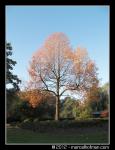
(86, 135)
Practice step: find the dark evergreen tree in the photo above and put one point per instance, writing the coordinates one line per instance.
(10, 77)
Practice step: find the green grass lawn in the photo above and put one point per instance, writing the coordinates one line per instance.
(81, 135)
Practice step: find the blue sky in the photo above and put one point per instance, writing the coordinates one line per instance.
(87, 26)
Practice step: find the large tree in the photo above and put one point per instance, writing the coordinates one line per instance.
(56, 68)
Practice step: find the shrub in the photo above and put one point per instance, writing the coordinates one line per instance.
(86, 113)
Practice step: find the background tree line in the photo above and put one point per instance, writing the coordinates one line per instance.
(22, 106)
(54, 69)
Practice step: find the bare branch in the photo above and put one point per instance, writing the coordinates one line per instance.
(63, 92)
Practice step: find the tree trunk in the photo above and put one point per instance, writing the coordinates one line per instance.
(57, 108)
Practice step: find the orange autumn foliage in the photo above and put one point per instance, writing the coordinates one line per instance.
(83, 71)
(93, 94)
(36, 97)
(57, 68)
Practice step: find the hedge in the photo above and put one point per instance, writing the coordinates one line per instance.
(37, 125)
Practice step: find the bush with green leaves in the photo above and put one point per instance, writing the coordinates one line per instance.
(67, 108)
(13, 114)
(86, 113)
(71, 108)
(19, 111)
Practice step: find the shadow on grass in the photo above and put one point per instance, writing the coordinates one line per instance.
(71, 135)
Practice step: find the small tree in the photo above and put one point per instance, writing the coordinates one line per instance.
(42, 104)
